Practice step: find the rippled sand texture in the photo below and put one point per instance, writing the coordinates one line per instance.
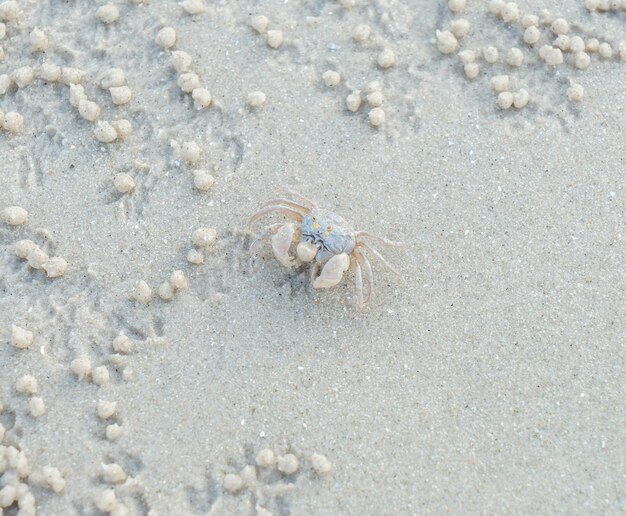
(488, 379)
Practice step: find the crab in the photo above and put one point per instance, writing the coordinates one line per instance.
(324, 238)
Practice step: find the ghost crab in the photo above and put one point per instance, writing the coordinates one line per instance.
(324, 238)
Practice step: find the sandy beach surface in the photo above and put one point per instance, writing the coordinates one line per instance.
(488, 378)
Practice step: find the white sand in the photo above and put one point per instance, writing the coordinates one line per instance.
(488, 379)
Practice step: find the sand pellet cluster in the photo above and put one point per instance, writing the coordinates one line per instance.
(195, 256)
(26, 384)
(320, 464)
(48, 477)
(23, 76)
(9, 11)
(606, 5)
(81, 367)
(176, 282)
(12, 121)
(203, 239)
(387, 57)
(193, 7)
(273, 35)
(108, 132)
(55, 267)
(113, 473)
(166, 291)
(14, 215)
(275, 38)
(108, 13)
(353, 101)
(256, 99)
(38, 40)
(100, 375)
(107, 502)
(123, 183)
(36, 406)
(506, 98)
(112, 80)
(180, 61)
(38, 259)
(21, 338)
(287, 464)
(113, 432)
(372, 96)
(166, 37)
(19, 475)
(331, 78)
(202, 180)
(106, 409)
(361, 33)
(71, 75)
(448, 39)
(142, 292)
(5, 83)
(252, 480)
(191, 154)
(575, 92)
(120, 95)
(265, 458)
(188, 81)
(123, 344)
(547, 37)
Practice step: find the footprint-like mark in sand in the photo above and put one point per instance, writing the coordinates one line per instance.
(223, 265)
(39, 159)
(131, 206)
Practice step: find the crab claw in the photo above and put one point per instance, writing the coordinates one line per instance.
(281, 242)
(332, 271)
(306, 251)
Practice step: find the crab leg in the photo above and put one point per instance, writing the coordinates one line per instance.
(370, 278)
(369, 248)
(285, 210)
(260, 238)
(281, 243)
(314, 270)
(358, 282)
(332, 272)
(364, 264)
(290, 204)
(263, 235)
(300, 196)
(367, 234)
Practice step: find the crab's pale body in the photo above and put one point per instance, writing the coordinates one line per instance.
(324, 238)
(329, 232)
